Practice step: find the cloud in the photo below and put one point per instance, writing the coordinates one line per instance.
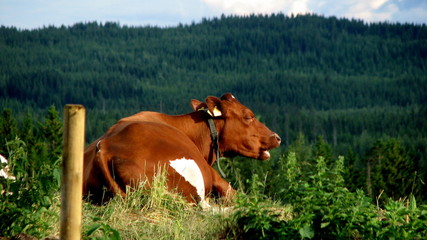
(370, 11)
(245, 7)
(300, 6)
(38, 13)
(377, 3)
(367, 10)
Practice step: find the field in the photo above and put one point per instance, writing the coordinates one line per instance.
(297, 200)
(348, 99)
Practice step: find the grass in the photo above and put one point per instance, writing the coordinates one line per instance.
(313, 206)
(154, 213)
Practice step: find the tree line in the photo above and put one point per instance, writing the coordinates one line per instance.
(359, 86)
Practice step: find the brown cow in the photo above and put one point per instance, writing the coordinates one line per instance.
(134, 148)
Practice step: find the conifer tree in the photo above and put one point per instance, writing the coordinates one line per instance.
(8, 129)
(391, 169)
(52, 133)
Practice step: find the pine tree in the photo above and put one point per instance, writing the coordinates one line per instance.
(52, 133)
(323, 149)
(390, 169)
(8, 130)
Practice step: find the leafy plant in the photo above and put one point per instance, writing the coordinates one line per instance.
(107, 232)
(403, 219)
(36, 167)
(320, 207)
(256, 216)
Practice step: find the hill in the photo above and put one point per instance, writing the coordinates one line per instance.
(350, 82)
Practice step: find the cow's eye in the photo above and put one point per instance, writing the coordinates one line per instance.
(249, 118)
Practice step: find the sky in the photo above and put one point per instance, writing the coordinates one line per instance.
(33, 14)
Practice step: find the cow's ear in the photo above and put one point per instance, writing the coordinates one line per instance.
(229, 97)
(214, 106)
(198, 105)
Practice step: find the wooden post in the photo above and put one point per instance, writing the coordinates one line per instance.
(72, 172)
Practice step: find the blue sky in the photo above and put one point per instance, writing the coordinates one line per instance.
(32, 14)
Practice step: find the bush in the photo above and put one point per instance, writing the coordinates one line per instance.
(27, 199)
(35, 162)
(318, 206)
(256, 216)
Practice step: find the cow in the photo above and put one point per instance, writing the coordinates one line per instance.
(185, 146)
(5, 173)
(4, 169)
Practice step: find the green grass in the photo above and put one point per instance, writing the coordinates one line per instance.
(154, 213)
(314, 205)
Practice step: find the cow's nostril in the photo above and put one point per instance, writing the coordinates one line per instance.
(277, 137)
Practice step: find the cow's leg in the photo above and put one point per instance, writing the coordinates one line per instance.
(104, 160)
(224, 189)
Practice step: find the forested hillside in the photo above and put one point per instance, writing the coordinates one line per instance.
(361, 87)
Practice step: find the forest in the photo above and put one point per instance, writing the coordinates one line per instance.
(334, 87)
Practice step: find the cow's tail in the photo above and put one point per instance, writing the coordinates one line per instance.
(102, 160)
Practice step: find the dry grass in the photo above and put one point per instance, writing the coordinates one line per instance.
(148, 214)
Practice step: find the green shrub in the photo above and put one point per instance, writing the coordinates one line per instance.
(403, 219)
(256, 216)
(27, 199)
(318, 206)
(35, 162)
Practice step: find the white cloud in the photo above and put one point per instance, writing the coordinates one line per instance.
(39, 13)
(369, 10)
(377, 3)
(244, 7)
(372, 11)
(300, 6)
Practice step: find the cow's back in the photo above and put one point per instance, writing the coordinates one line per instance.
(92, 177)
(137, 150)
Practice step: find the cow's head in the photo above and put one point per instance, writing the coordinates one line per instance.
(240, 132)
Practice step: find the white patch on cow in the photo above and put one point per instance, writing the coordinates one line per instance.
(191, 172)
(2, 159)
(4, 172)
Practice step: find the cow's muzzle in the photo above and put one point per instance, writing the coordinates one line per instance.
(274, 142)
(278, 139)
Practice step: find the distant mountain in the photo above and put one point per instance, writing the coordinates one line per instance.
(306, 73)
